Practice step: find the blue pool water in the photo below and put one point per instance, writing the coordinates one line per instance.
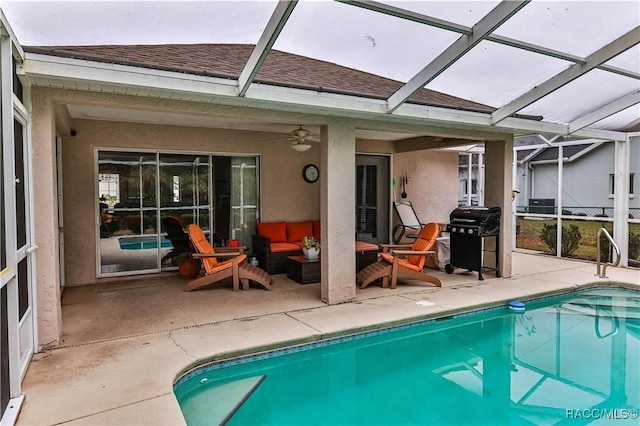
(574, 358)
(141, 243)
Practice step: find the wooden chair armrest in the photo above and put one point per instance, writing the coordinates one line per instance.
(225, 254)
(413, 253)
(386, 247)
(241, 249)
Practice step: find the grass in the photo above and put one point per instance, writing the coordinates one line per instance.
(528, 235)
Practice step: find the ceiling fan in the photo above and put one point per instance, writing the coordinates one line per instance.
(300, 137)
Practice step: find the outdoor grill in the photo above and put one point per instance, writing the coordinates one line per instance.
(468, 228)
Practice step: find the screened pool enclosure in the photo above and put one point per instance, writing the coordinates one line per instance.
(398, 78)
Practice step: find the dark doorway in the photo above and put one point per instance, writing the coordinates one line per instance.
(372, 198)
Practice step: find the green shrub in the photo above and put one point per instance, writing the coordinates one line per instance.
(634, 246)
(567, 212)
(570, 238)
(600, 215)
(605, 249)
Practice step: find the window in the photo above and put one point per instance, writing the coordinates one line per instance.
(109, 187)
(612, 184)
(474, 187)
(176, 189)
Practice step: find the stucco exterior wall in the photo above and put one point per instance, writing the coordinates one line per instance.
(433, 183)
(284, 195)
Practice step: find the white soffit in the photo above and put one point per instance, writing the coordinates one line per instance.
(92, 112)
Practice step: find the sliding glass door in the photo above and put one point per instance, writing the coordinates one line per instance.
(127, 183)
(146, 200)
(184, 199)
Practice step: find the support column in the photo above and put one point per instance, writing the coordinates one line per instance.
(498, 181)
(621, 198)
(45, 198)
(337, 210)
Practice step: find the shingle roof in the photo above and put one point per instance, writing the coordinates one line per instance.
(279, 68)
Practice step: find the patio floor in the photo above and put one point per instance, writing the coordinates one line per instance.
(126, 341)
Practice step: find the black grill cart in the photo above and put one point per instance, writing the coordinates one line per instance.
(468, 228)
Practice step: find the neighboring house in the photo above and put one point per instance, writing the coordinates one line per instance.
(588, 184)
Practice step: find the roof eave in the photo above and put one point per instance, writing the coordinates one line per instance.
(225, 91)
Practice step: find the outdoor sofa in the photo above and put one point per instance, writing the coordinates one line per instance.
(273, 242)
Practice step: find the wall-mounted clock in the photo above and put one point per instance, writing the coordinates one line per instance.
(310, 173)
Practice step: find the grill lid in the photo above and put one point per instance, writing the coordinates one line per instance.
(477, 215)
(485, 219)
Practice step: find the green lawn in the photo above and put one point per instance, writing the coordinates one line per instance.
(528, 235)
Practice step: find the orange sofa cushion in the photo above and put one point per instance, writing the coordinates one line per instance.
(297, 230)
(280, 247)
(316, 229)
(276, 231)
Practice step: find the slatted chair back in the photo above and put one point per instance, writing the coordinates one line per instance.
(202, 245)
(426, 241)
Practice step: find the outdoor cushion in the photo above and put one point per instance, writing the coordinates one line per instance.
(276, 231)
(362, 246)
(402, 262)
(297, 230)
(280, 247)
(426, 241)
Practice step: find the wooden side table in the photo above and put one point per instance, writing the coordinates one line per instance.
(303, 270)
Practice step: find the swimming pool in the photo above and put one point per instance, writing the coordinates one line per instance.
(573, 357)
(141, 243)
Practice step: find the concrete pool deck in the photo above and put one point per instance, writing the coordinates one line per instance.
(126, 341)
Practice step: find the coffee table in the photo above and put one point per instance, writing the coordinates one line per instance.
(303, 270)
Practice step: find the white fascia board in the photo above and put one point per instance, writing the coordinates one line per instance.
(530, 156)
(496, 17)
(100, 73)
(566, 143)
(585, 151)
(303, 99)
(509, 125)
(554, 161)
(597, 58)
(606, 111)
(269, 35)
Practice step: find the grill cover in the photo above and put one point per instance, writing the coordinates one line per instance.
(486, 218)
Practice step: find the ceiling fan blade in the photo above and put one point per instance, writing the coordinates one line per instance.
(287, 138)
(310, 138)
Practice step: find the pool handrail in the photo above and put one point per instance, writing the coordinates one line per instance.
(615, 247)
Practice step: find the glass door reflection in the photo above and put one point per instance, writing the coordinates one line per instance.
(184, 199)
(128, 227)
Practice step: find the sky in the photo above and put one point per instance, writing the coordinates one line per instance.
(351, 36)
(345, 35)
